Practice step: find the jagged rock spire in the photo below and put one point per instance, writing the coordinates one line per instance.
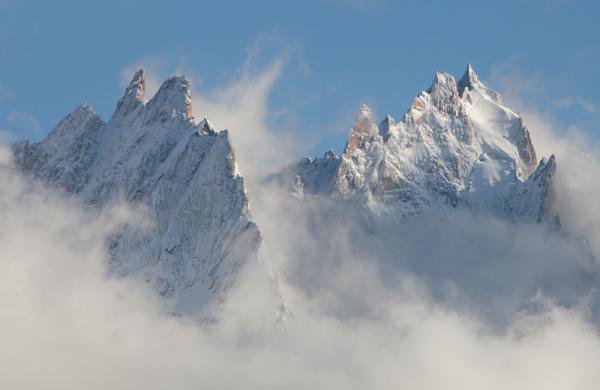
(363, 129)
(172, 101)
(468, 79)
(364, 119)
(206, 127)
(386, 124)
(330, 155)
(443, 91)
(525, 147)
(134, 96)
(531, 200)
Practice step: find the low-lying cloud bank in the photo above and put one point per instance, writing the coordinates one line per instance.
(365, 313)
(452, 301)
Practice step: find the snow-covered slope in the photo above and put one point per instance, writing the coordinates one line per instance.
(153, 153)
(456, 146)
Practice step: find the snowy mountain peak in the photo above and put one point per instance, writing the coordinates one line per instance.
(83, 108)
(442, 80)
(330, 155)
(386, 124)
(173, 101)
(468, 80)
(82, 114)
(364, 129)
(82, 122)
(134, 96)
(443, 92)
(67, 152)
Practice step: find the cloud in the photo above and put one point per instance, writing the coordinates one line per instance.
(242, 106)
(67, 325)
(27, 121)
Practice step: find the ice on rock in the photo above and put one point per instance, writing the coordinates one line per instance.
(154, 154)
(456, 146)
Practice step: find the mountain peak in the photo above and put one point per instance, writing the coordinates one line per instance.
(330, 155)
(82, 118)
(386, 124)
(442, 79)
(83, 109)
(388, 120)
(363, 129)
(364, 120)
(172, 101)
(134, 96)
(138, 82)
(443, 91)
(468, 79)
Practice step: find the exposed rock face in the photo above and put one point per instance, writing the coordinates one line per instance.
(457, 146)
(154, 153)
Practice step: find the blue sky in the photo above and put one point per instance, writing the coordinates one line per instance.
(336, 54)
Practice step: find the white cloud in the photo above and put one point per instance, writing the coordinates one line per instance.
(242, 107)
(66, 325)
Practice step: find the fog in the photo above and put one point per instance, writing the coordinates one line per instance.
(450, 301)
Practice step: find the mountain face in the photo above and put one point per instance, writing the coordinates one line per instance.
(154, 153)
(457, 146)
